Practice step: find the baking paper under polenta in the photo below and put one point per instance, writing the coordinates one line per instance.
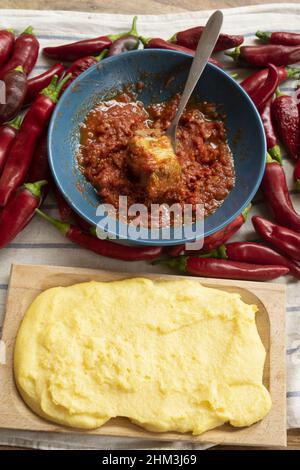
(168, 355)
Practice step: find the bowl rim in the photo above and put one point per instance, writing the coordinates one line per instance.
(144, 241)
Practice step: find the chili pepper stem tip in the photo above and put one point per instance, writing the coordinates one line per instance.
(263, 35)
(275, 154)
(53, 90)
(102, 55)
(246, 212)
(177, 263)
(219, 252)
(297, 183)
(28, 30)
(133, 31)
(144, 40)
(19, 69)
(235, 54)
(222, 252)
(35, 188)
(292, 72)
(173, 39)
(10, 30)
(93, 231)
(16, 122)
(61, 226)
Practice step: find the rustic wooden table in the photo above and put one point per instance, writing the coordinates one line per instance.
(145, 7)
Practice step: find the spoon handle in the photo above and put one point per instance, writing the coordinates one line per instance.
(204, 49)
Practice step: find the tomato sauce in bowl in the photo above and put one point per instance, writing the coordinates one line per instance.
(205, 159)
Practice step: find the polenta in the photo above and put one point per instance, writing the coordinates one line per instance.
(168, 355)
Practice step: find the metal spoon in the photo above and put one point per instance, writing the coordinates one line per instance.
(204, 49)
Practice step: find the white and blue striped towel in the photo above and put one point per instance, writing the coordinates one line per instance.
(40, 244)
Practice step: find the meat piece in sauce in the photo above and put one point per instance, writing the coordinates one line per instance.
(152, 160)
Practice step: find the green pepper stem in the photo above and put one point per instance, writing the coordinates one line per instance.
(144, 40)
(234, 75)
(131, 32)
(292, 72)
(93, 231)
(16, 122)
(19, 69)
(61, 226)
(176, 263)
(279, 93)
(235, 54)
(246, 212)
(263, 35)
(102, 55)
(28, 30)
(297, 184)
(53, 90)
(275, 153)
(269, 158)
(10, 30)
(36, 188)
(219, 253)
(173, 38)
(222, 252)
(62, 83)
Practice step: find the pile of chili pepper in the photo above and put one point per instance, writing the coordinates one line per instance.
(25, 178)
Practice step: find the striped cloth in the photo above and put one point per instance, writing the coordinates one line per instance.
(41, 244)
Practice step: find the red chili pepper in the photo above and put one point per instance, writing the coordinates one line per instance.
(285, 115)
(277, 197)
(284, 38)
(158, 43)
(39, 82)
(258, 78)
(125, 44)
(216, 239)
(261, 56)
(80, 65)
(19, 211)
(271, 137)
(15, 90)
(176, 250)
(76, 50)
(257, 253)
(261, 96)
(7, 40)
(103, 247)
(297, 174)
(39, 168)
(8, 133)
(190, 38)
(129, 42)
(33, 126)
(285, 240)
(25, 53)
(220, 268)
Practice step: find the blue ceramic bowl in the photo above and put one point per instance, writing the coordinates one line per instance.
(163, 73)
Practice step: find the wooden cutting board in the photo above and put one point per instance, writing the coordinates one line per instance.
(27, 281)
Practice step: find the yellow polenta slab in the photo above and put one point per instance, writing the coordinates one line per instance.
(169, 355)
